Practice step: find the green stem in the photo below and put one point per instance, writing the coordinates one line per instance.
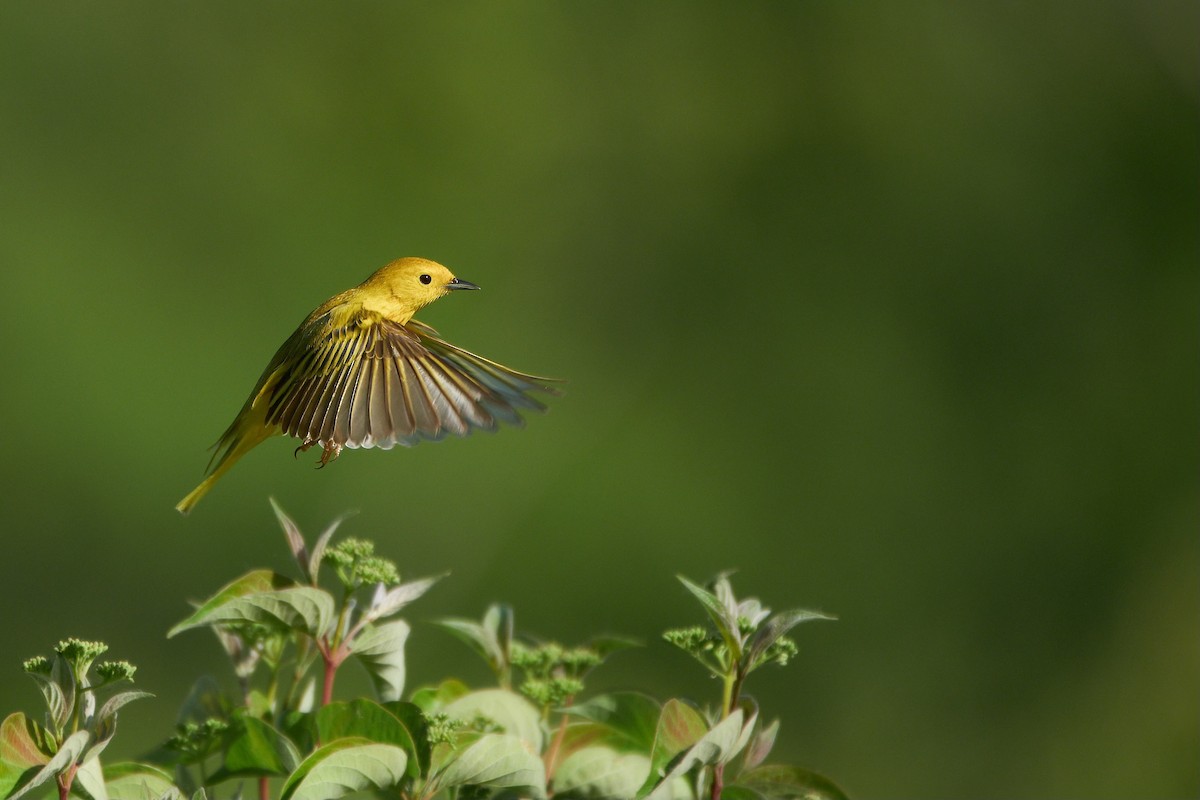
(731, 690)
(336, 639)
(272, 691)
(727, 698)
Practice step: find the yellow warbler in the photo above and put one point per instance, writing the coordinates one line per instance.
(361, 372)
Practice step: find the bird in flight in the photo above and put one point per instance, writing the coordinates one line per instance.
(361, 372)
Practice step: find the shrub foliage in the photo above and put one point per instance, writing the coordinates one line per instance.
(535, 733)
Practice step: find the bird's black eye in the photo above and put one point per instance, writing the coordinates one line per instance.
(425, 279)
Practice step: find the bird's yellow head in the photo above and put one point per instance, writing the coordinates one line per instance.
(409, 284)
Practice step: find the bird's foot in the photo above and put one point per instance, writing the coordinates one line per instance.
(303, 448)
(332, 451)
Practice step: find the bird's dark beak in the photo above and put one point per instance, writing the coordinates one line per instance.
(459, 283)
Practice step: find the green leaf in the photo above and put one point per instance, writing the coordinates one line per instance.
(318, 551)
(724, 616)
(495, 761)
(475, 636)
(413, 719)
(632, 715)
(775, 627)
(259, 749)
(344, 766)
(780, 781)
(737, 792)
(302, 608)
(133, 781)
(679, 727)
(491, 640)
(368, 720)
(715, 747)
(119, 701)
(512, 712)
(260, 580)
(295, 541)
(605, 646)
(59, 690)
(499, 621)
(435, 698)
(104, 724)
(601, 772)
(204, 700)
(750, 715)
(381, 651)
(64, 758)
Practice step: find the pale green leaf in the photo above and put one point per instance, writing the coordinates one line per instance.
(601, 772)
(58, 688)
(381, 650)
(512, 712)
(89, 780)
(398, 597)
(717, 746)
(475, 636)
(260, 580)
(295, 540)
(64, 758)
(499, 621)
(495, 761)
(318, 551)
(302, 608)
(104, 724)
(132, 781)
(723, 616)
(772, 629)
(344, 766)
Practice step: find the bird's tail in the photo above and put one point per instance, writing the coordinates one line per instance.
(235, 444)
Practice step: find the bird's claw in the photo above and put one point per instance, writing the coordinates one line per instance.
(332, 451)
(302, 448)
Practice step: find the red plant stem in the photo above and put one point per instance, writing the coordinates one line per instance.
(555, 746)
(64, 781)
(327, 685)
(718, 782)
(264, 789)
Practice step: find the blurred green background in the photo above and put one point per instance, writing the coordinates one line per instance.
(892, 307)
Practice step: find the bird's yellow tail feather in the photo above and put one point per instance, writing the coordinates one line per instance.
(185, 505)
(241, 445)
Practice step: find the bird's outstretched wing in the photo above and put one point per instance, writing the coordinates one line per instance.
(370, 382)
